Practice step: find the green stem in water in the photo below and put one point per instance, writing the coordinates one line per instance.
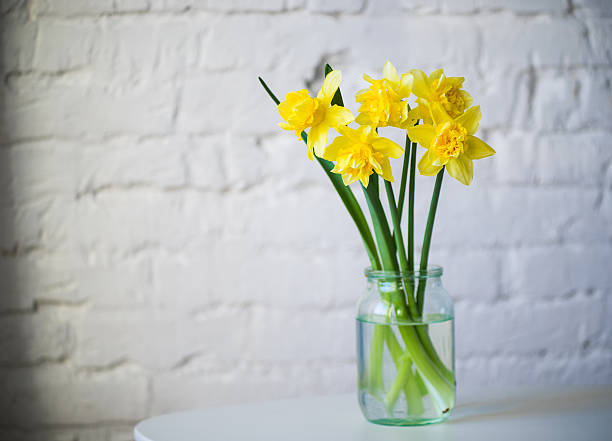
(345, 193)
(405, 380)
(441, 390)
(375, 363)
(433, 206)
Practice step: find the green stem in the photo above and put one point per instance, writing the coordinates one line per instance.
(427, 239)
(411, 207)
(402, 193)
(345, 193)
(399, 243)
(381, 226)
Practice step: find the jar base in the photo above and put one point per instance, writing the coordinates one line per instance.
(400, 422)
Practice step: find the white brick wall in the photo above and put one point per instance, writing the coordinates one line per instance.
(164, 246)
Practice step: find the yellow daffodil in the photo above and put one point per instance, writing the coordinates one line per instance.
(450, 142)
(301, 112)
(361, 152)
(383, 103)
(439, 89)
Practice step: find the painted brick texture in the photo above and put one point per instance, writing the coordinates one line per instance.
(163, 245)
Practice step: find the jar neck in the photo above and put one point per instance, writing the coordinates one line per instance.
(433, 273)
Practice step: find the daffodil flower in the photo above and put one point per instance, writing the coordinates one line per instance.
(361, 152)
(439, 89)
(301, 111)
(383, 103)
(450, 142)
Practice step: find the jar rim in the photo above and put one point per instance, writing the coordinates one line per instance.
(431, 272)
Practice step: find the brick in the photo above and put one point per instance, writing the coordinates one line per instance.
(109, 285)
(205, 108)
(471, 275)
(30, 396)
(301, 336)
(344, 6)
(275, 218)
(55, 107)
(589, 152)
(128, 56)
(245, 5)
(575, 101)
(67, 8)
(597, 8)
(142, 218)
(34, 338)
(486, 216)
(63, 45)
(516, 154)
(216, 330)
(477, 6)
(559, 42)
(527, 328)
(591, 369)
(120, 162)
(223, 47)
(600, 36)
(18, 42)
(497, 84)
(276, 277)
(27, 279)
(555, 271)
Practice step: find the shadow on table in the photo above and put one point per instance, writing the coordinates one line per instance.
(512, 406)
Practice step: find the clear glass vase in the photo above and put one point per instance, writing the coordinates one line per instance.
(405, 348)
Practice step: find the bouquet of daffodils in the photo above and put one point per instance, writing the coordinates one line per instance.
(443, 121)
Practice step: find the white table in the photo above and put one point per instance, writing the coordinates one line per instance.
(559, 414)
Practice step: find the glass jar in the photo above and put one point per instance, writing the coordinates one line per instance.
(405, 348)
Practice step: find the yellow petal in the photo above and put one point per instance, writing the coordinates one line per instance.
(405, 86)
(317, 139)
(435, 75)
(285, 126)
(467, 98)
(338, 116)
(369, 79)
(420, 87)
(426, 164)
(477, 148)
(390, 74)
(350, 133)
(386, 170)
(423, 134)
(363, 119)
(461, 168)
(330, 85)
(376, 165)
(470, 119)
(387, 147)
(365, 180)
(365, 132)
(331, 151)
(438, 114)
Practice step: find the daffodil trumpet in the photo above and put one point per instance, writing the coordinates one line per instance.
(443, 121)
